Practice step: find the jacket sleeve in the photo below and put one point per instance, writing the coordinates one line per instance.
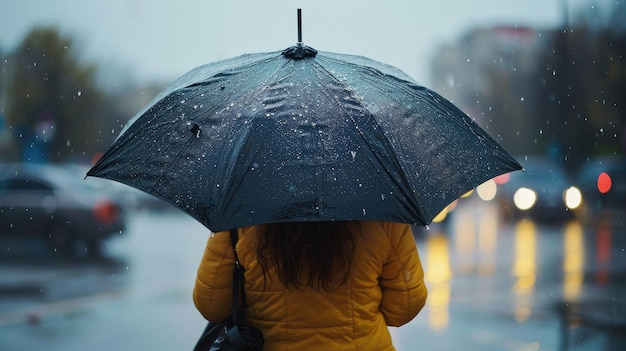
(212, 292)
(402, 278)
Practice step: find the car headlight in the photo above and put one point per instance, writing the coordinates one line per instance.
(487, 190)
(524, 198)
(572, 197)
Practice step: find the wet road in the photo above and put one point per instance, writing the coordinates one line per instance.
(493, 286)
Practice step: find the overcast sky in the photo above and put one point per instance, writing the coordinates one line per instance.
(161, 40)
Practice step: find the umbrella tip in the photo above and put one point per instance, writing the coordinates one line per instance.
(299, 27)
(299, 51)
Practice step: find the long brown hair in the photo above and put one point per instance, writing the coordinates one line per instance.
(316, 255)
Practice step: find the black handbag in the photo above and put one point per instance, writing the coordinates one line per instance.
(229, 334)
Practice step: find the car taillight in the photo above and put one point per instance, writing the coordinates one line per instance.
(502, 178)
(604, 183)
(106, 211)
(572, 197)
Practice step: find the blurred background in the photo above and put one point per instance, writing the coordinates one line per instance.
(534, 260)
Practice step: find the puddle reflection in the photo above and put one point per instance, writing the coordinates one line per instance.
(521, 263)
(438, 276)
(603, 253)
(487, 244)
(524, 268)
(573, 260)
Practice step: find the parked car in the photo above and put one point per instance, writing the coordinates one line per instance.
(603, 183)
(50, 203)
(543, 191)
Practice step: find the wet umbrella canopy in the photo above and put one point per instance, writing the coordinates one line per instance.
(301, 135)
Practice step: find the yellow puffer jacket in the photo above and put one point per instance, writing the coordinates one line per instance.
(386, 287)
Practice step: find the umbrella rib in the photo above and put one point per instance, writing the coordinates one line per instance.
(402, 175)
(446, 109)
(263, 86)
(435, 126)
(450, 112)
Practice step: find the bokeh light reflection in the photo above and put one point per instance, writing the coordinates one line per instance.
(573, 260)
(438, 275)
(524, 268)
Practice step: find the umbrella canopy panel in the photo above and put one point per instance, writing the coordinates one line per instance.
(268, 138)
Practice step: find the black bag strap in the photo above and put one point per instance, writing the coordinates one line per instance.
(237, 280)
(213, 330)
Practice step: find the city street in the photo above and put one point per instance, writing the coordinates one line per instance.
(493, 285)
(499, 123)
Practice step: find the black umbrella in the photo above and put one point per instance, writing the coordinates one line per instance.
(301, 135)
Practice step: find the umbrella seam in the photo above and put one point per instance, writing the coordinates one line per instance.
(412, 92)
(443, 105)
(386, 140)
(262, 87)
(410, 80)
(213, 108)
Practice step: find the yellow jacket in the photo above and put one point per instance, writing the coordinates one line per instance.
(386, 288)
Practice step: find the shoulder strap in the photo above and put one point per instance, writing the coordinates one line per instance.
(234, 237)
(237, 279)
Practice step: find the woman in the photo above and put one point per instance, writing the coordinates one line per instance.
(317, 286)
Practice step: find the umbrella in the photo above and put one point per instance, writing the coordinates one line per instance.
(302, 135)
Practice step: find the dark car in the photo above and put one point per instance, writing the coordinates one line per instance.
(543, 191)
(603, 184)
(57, 206)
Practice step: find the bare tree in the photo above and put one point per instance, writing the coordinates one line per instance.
(54, 106)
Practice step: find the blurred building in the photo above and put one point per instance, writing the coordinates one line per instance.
(5, 133)
(556, 92)
(491, 75)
